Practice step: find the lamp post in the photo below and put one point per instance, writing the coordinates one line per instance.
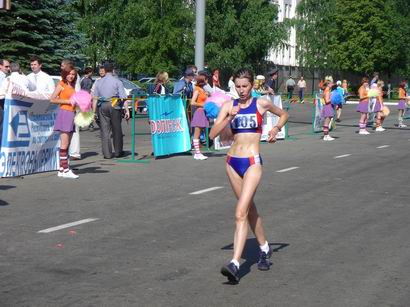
(200, 34)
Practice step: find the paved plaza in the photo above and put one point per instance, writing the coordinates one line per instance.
(336, 213)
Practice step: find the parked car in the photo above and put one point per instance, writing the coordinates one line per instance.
(147, 80)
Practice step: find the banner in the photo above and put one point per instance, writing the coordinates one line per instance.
(28, 144)
(270, 120)
(169, 125)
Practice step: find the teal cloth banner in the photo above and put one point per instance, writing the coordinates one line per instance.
(169, 125)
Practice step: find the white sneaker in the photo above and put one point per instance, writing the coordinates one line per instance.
(328, 138)
(402, 126)
(380, 129)
(69, 174)
(59, 174)
(200, 157)
(364, 132)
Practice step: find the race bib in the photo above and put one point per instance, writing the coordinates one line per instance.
(244, 121)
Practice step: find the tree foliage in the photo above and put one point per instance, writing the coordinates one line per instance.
(44, 28)
(359, 36)
(151, 35)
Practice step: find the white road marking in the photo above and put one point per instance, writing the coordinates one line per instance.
(287, 169)
(383, 146)
(205, 190)
(67, 225)
(342, 156)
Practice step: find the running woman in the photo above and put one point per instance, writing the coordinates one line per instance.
(402, 104)
(378, 108)
(65, 118)
(363, 106)
(327, 111)
(244, 165)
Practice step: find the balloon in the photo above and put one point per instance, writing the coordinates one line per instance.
(211, 109)
(218, 98)
(82, 99)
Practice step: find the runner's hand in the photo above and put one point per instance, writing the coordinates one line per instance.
(272, 135)
(127, 114)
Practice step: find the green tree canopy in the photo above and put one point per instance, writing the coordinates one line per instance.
(359, 36)
(146, 36)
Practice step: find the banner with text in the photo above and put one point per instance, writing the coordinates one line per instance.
(169, 125)
(270, 120)
(28, 144)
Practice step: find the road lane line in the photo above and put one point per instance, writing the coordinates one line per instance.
(383, 146)
(287, 169)
(205, 190)
(342, 156)
(67, 225)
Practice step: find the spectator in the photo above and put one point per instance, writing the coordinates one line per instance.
(87, 83)
(271, 84)
(290, 86)
(40, 82)
(375, 78)
(302, 87)
(18, 78)
(160, 86)
(74, 150)
(199, 120)
(215, 78)
(4, 70)
(110, 113)
(64, 122)
(185, 85)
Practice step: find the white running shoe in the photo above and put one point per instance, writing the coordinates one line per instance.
(69, 174)
(59, 174)
(380, 129)
(402, 126)
(364, 132)
(200, 157)
(328, 138)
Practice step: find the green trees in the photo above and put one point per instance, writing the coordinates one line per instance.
(359, 36)
(148, 36)
(43, 28)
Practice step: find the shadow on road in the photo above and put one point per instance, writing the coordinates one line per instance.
(6, 187)
(3, 203)
(251, 254)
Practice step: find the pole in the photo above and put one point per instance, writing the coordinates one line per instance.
(200, 34)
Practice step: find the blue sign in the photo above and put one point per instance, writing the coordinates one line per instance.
(169, 125)
(28, 144)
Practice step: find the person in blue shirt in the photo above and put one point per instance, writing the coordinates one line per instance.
(185, 86)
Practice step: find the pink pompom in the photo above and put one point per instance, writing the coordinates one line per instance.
(219, 98)
(83, 100)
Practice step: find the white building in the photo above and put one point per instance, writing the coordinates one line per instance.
(287, 55)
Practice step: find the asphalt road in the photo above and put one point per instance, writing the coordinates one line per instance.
(338, 221)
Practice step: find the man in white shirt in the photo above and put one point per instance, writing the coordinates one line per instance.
(302, 87)
(18, 78)
(40, 82)
(4, 70)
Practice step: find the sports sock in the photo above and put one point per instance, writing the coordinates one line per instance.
(235, 262)
(265, 247)
(196, 146)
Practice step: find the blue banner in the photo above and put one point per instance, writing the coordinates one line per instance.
(28, 144)
(169, 125)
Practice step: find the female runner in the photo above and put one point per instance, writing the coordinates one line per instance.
(244, 164)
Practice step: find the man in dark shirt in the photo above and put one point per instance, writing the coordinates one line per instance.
(87, 82)
(185, 86)
(271, 84)
(110, 113)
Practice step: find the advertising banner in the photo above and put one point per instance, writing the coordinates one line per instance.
(169, 125)
(28, 144)
(270, 120)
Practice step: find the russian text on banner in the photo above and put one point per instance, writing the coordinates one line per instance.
(28, 144)
(169, 125)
